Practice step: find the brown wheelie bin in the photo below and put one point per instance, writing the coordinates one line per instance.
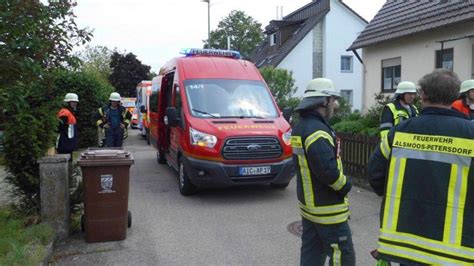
(106, 174)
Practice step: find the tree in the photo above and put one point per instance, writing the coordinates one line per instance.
(282, 85)
(36, 39)
(96, 60)
(127, 72)
(245, 33)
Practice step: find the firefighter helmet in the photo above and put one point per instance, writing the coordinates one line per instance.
(406, 87)
(316, 92)
(115, 96)
(71, 97)
(467, 85)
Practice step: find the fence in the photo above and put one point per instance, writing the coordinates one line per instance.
(355, 152)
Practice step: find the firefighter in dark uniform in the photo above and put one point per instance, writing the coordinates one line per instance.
(67, 137)
(423, 169)
(322, 186)
(114, 119)
(401, 108)
(465, 103)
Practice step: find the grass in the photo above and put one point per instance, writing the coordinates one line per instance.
(20, 245)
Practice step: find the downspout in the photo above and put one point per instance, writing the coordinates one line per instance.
(363, 79)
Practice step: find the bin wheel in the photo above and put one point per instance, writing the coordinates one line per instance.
(129, 219)
(83, 224)
(186, 188)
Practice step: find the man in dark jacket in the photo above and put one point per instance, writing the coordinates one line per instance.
(114, 120)
(423, 169)
(67, 138)
(322, 186)
(400, 109)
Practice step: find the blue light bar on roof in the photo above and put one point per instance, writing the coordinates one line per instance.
(210, 52)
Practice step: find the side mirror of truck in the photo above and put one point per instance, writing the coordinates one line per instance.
(142, 109)
(287, 112)
(172, 116)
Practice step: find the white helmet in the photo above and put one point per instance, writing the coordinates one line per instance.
(316, 92)
(467, 85)
(406, 87)
(321, 87)
(115, 96)
(71, 97)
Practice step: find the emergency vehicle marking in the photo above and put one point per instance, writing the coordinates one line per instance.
(456, 146)
(195, 86)
(232, 127)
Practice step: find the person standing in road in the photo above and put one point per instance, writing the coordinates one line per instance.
(114, 120)
(401, 108)
(423, 168)
(67, 137)
(465, 103)
(322, 186)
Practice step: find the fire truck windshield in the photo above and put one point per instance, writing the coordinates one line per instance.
(222, 98)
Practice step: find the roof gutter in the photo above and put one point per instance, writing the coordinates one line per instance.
(357, 55)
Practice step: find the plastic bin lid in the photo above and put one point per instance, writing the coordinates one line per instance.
(92, 154)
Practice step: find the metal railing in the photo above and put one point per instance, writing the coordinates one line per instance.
(355, 152)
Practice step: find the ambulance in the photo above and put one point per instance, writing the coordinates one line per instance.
(217, 123)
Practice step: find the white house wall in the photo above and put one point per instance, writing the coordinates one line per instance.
(299, 60)
(417, 54)
(341, 29)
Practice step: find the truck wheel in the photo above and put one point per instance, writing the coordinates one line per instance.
(160, 157)
(129, 219)
(186, 188)
(279, 186)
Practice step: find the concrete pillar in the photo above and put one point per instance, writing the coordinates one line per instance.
(54, 186)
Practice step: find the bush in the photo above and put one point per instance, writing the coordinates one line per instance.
(349, 126)
(20, 245)
(93, 93)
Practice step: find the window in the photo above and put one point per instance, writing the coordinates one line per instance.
(346, 63)
(445, 60)
(177, 99)
(347, 96)
(391, 74)
(154, 102)
(237, 98)
(273, 39)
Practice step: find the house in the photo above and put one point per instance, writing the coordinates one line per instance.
(311, 42)
(407, 39)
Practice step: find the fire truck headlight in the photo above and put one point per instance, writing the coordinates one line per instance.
(287, 137)
(202, 139)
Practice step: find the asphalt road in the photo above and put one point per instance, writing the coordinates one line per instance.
(240, 225)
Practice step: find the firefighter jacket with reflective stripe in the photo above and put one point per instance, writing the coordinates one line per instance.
(104, 118)
(424, 170)
(67, 129)
(462, 107)
(394, 113)
(322, 186)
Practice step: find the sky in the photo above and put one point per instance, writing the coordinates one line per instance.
(156, 30)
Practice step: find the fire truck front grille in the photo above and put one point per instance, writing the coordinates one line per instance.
(251, 148)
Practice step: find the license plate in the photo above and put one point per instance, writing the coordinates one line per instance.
(257, 170)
